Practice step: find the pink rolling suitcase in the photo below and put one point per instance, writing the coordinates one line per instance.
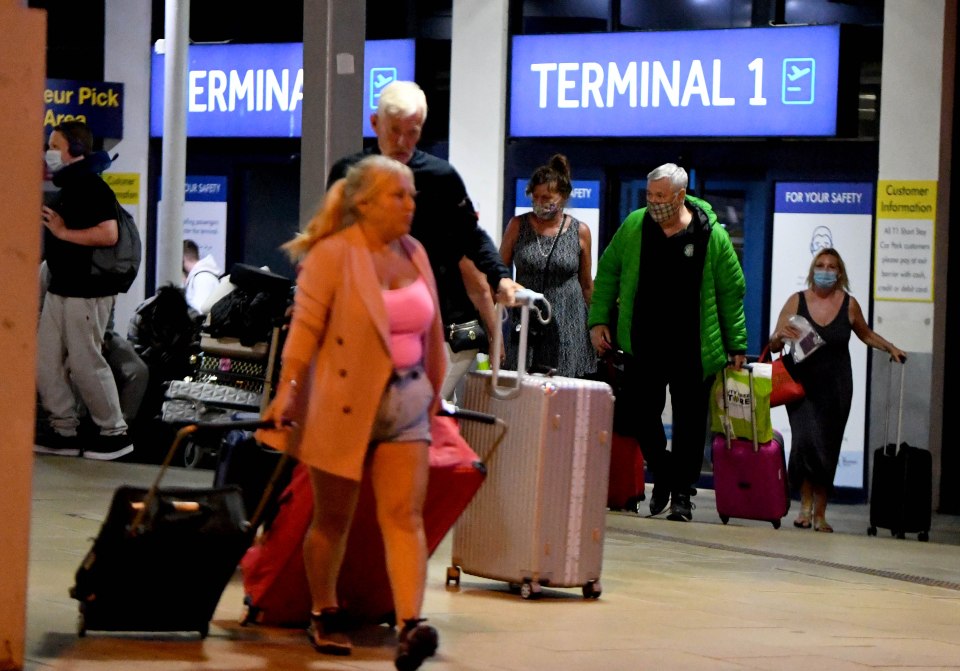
(539, 519)
(750, 479)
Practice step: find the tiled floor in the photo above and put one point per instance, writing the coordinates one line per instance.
(675, 596)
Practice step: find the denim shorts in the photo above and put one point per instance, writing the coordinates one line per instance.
(403, 415)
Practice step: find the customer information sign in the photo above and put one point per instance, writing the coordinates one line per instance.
(906, 211)
(739, 82)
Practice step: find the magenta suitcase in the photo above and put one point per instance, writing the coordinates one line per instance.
(750, 482)
(750, 479)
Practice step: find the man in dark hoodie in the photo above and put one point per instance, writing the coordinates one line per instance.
(77, 308)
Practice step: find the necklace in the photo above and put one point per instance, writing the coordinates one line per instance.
(538, 237)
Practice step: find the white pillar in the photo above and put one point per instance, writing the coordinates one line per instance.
(22, 65)
(916, 117)
(170, 218)
(478, 94)
(126, 32)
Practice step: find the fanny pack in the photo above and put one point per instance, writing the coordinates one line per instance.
(467, 335)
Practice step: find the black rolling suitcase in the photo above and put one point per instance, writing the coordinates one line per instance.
(244, 462)
(164, 555)
(901, 488)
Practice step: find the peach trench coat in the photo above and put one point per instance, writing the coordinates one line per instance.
(338, 351)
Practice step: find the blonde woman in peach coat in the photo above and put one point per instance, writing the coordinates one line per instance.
(362, 369)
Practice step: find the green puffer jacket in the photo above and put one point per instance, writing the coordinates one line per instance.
(722, 324)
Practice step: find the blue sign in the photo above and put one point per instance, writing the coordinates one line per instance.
(208, 189)
(256, 90)
(745, 82)
(824, 198)
(585, 195)
(97, 104)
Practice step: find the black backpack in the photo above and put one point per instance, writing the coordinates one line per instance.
(118, 265)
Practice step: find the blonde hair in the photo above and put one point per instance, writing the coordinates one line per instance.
(841, 267)
(401, 99)
(338, 210)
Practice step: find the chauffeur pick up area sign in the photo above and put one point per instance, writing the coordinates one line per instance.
(740, 82)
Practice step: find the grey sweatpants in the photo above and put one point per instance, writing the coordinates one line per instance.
(70, 347)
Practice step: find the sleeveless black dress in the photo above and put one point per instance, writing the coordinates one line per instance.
(819, 419)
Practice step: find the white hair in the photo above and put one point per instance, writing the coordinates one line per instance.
(672, 171)
(402, 99)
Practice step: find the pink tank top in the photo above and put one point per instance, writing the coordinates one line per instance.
(410, 312)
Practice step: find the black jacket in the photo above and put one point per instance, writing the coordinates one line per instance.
(84, 200)
(446, 225)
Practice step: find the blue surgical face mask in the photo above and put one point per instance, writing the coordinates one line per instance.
(824, 278)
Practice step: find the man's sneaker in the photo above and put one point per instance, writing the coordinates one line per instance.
(681, 510)
(56, 443)
(107, 448)
(659, 499)
(415, 642)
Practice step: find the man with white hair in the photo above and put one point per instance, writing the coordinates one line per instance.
(445, 221)
(673, 275)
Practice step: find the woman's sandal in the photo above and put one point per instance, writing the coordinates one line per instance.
(821, 524)
(327, 632)
(803, 519)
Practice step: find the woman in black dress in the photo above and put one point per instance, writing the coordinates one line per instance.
(819, 419)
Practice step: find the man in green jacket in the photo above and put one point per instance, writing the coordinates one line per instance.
(671, 287)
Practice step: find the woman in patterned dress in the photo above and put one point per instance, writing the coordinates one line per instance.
(551, 252)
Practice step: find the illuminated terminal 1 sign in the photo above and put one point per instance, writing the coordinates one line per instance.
(718, 83)
(256, 90)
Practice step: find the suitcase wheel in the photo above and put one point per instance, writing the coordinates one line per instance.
(81, 624)
(204, 630)
(775, 523)
(898, 534)
(724, 518)
(530, 590)
(871, 531)
(453, 576)
(592, 590)
(923, 537)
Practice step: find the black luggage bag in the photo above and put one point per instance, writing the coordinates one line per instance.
(901, 488)
(164, 555)
(245, 463)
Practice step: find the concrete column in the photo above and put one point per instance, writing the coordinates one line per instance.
(127, 60)
(478, 97)
(916, 117)
(22, 75)
(333, 38)
(174, 171)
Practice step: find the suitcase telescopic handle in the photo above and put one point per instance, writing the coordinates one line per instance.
(528, 301)
(886, 425)
(182, 435)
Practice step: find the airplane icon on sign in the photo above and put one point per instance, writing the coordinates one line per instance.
(796, 73)
(379, 78)
(798, 80)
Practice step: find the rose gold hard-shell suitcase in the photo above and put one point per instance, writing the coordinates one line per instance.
(539, 519)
